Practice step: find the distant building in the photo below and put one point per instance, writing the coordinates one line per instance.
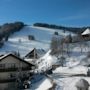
(12, 66)
(85, 36)
(86, 33)
(35, 54)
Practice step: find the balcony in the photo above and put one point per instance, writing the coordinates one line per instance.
(10, 69)
(7, 80)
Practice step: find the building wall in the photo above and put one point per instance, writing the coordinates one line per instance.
(8, 86)
(9, 60)
(6, 75)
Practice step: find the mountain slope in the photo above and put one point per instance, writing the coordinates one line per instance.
(19, 40)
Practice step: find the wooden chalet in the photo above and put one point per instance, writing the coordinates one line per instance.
(35, 54)
(85, 36)
(12, 66)
(86, 33)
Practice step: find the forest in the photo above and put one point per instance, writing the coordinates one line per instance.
(60, 27)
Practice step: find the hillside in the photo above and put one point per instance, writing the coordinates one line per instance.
(19, 40)
(75, 65)
(59, 27)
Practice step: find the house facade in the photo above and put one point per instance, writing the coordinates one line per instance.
(12, 66)
(34, 54)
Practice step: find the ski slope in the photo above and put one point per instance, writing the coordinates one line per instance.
(74, 62)
(19, 40)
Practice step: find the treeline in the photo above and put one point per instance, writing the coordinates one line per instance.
(72, 29)
(8, 29)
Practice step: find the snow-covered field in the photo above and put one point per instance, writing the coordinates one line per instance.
(65, 77)
(42, 84)
(19, 40)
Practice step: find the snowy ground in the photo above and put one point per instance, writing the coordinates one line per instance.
(19, 40)
(71, 71)
(63, 76)
(66, 79)
(43, 84)
(46, 61)
(69, 83)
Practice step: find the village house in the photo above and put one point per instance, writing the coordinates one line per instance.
(34, 54)
(12, 66)
(84, 36)
(86, 33)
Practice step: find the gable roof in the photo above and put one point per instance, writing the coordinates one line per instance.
(10, 54)
(35, 53)
(87, 31)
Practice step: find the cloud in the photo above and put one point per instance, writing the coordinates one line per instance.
(75, 17)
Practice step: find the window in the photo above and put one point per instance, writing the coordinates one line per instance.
(13, 65)
(2, 66)
(10, 65)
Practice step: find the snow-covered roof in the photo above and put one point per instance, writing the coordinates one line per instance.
(46, 61)
(18, 58)
(87, 31)
(35, 53)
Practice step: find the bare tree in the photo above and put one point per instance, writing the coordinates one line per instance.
(56, 45)
(67, 41)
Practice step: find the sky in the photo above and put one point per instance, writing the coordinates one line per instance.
(59, 12)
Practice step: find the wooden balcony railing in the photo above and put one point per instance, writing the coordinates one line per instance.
(14, 69)
(7, 80)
